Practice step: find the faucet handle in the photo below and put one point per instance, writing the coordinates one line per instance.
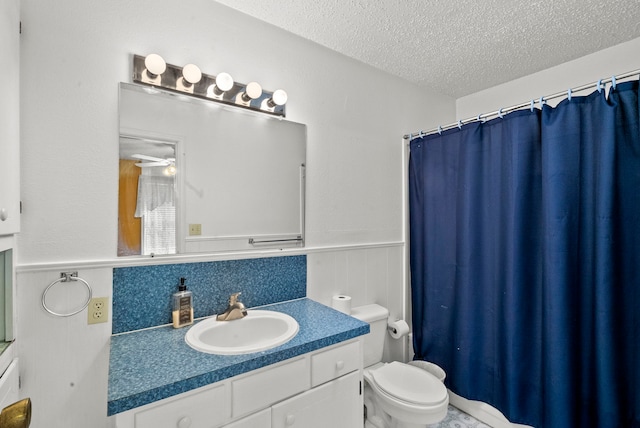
(234, 298)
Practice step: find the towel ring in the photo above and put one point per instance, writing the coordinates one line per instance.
(66, 277)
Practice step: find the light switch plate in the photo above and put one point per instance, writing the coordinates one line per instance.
(195, 229)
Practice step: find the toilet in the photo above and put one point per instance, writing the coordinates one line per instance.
(396, 395)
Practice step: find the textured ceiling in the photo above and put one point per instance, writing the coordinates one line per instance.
(455, 47)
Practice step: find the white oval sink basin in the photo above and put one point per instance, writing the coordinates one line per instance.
(258, 331)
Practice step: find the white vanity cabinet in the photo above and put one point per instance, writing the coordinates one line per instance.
(9, 117)
(319, 389)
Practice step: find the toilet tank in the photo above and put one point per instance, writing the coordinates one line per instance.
(376, 316)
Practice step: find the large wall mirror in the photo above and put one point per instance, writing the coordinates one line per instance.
(197, 176)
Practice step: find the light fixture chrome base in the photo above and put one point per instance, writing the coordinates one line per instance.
(172, 80)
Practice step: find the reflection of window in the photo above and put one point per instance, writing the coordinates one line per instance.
(159, 230)
(157, 208)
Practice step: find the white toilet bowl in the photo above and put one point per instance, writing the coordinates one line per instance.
(396, 395)
(399, 395)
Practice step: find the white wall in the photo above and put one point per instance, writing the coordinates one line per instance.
(74, 53)
(588, 69)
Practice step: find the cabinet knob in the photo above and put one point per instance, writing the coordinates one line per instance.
(290, 420)
(339, 365)
(4, 214)
(184, 422)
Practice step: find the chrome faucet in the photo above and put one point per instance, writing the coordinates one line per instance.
(235, 310)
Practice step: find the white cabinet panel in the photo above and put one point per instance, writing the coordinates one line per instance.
(204, 409)
(9, 385)
(258, 420)
(259, 390)
(336, 404)
(9, 117)
(335, 362)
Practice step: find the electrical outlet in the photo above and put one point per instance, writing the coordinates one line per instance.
(98, 310)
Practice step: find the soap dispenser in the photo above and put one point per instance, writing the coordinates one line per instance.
(182, 306)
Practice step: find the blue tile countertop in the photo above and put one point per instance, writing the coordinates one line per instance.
(149, 365)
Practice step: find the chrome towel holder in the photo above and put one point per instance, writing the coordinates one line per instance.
(66, 277)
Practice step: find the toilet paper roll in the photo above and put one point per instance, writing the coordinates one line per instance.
(341, 303)
(398, 329)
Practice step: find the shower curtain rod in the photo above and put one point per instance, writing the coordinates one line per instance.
(599, 84)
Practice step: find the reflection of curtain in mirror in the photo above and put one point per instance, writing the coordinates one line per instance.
(129, 228)
(156, 207)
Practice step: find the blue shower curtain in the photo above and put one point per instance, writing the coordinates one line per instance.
(525, 260)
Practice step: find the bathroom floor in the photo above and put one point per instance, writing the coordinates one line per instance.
(458, 419)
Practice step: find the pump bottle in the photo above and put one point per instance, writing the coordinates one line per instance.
(182, 306)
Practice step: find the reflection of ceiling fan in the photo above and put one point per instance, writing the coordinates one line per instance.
(153, 161)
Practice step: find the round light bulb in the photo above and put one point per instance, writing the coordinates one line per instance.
(224, 82)
(253, 90)
(155, 64)
(191, 73)
(279, 97)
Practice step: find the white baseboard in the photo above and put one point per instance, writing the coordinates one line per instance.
(482, 412)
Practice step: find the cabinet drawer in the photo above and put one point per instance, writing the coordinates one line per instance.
(335, 362)
(262, 389)
(205, 408)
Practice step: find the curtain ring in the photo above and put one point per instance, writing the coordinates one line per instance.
(599, 86)
(440, 130)
(569, 94)
(459, 124)
(533, 102)
(613, 82)
(500, 115)
(541, 102)
(479, 118)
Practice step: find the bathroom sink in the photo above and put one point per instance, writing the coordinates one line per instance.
(258, 331)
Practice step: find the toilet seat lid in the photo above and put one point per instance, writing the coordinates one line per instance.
(409, 383)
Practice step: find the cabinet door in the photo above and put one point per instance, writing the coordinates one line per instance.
(336, 404)
(257, 420)
(9, 117)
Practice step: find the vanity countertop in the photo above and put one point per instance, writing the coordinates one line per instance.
(149, 365)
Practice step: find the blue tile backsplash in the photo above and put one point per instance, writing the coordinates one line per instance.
(142, 294)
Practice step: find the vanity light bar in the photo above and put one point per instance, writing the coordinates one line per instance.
(152, 70)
